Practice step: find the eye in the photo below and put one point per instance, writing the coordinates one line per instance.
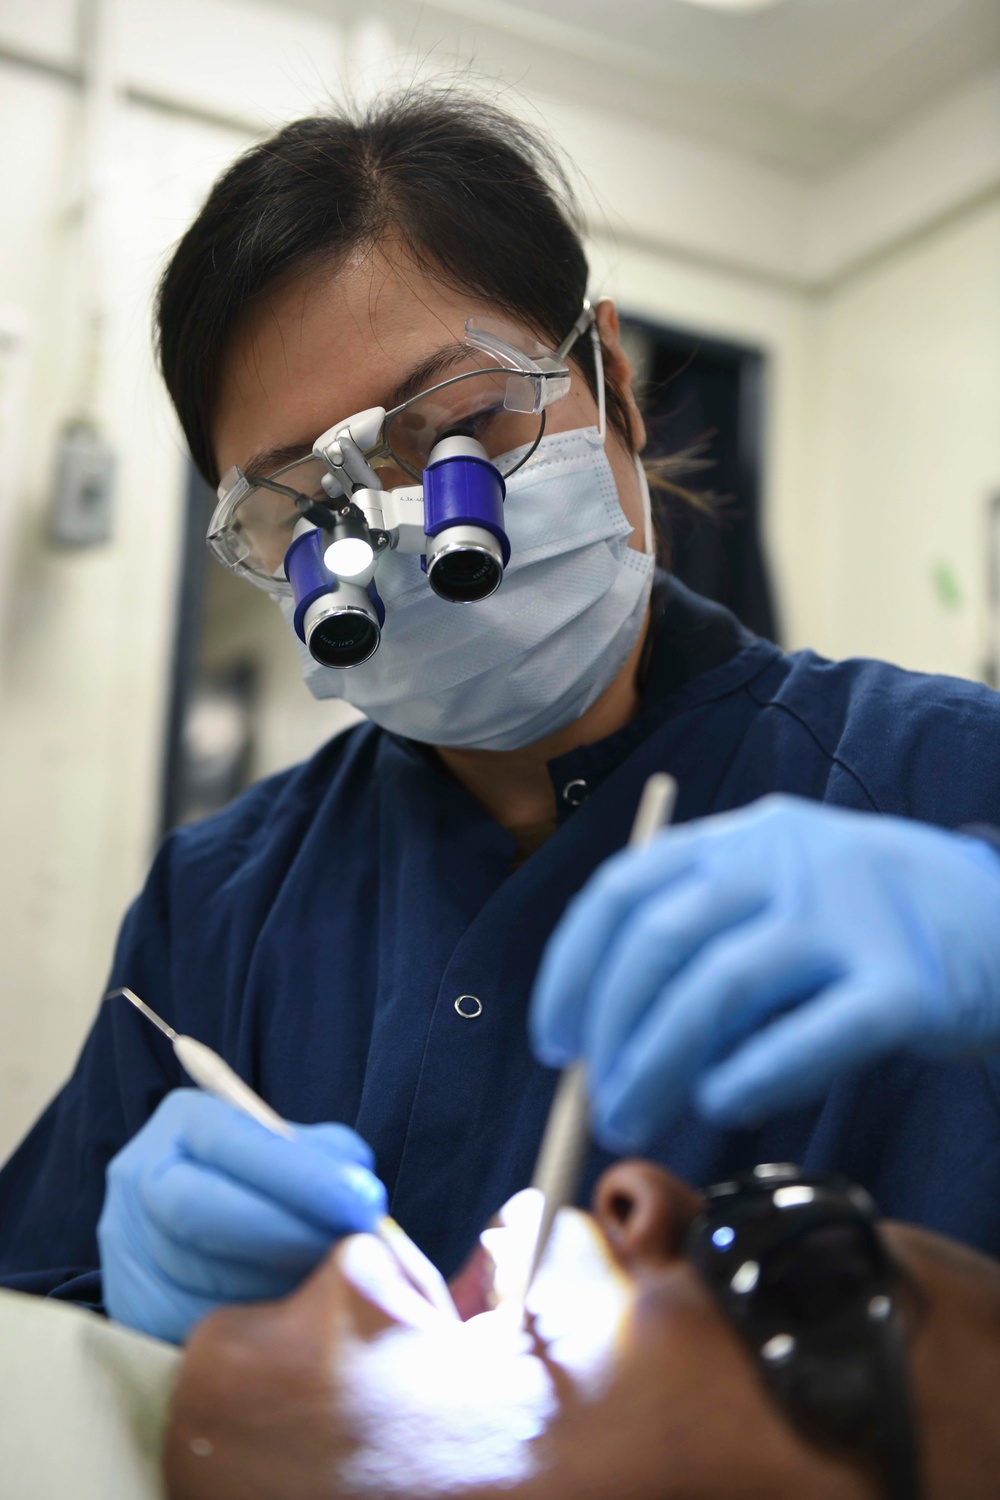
(471, 424)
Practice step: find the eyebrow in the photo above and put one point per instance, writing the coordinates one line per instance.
(435, 364)
(268, 460)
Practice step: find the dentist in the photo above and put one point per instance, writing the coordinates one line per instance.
(377, 338)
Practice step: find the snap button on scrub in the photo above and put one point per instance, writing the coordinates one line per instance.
(469, 1007)
(575, 793)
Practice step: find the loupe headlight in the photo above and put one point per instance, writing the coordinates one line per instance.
(467, 548)
(348, 551)
(339, 619)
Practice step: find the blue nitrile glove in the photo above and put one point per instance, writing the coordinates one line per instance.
(205, 1207)
(748, 960)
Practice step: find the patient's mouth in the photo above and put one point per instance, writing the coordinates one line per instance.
(466, 1401)
(473, 1289)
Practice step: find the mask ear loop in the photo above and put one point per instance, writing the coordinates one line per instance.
(647, 501)
(647, 507)
(588, 319)
(595, 339)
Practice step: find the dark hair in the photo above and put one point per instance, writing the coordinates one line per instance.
(473, 196)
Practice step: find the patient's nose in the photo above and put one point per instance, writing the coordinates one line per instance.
(644, 1212)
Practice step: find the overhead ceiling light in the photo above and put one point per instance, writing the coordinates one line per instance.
(743, 7)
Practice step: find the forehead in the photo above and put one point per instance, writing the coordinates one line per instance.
(327, 344)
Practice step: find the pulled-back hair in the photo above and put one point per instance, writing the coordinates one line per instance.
(473, 196)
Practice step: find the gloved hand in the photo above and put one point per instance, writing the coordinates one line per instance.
(748, 960)
(205, 1207)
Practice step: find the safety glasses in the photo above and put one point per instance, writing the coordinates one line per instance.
(500, 386)
(797, 1265)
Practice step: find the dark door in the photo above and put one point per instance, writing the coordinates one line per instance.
(707, 397)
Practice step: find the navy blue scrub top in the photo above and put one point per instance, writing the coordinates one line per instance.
(320, 931)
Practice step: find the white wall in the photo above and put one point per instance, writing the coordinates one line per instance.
(883, 390)
(87, 635)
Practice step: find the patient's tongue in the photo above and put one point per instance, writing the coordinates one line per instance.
(472, 1289)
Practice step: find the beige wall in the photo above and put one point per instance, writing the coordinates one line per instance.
(904, 451)
(884, 389)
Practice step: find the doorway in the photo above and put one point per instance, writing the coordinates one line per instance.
(706, 397)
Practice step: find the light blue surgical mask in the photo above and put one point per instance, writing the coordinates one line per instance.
(532, 658)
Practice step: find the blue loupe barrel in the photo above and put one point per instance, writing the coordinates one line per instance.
(467, 547)
(340, 622)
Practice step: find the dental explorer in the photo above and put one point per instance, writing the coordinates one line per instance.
(567, 1130)
(213, 1074)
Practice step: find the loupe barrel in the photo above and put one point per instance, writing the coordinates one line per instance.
(467, 548)
(340, 622)
(340, 632)
(464, 563)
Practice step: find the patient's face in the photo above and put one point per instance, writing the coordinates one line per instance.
(629, 1384)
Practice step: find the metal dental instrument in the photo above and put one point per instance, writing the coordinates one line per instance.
(213, 1074)
(567, 1131)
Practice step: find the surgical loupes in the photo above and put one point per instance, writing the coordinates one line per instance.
(453, 520)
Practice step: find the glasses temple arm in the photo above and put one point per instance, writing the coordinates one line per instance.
(588, 320)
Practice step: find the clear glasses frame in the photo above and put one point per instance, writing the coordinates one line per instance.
(530, 380)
